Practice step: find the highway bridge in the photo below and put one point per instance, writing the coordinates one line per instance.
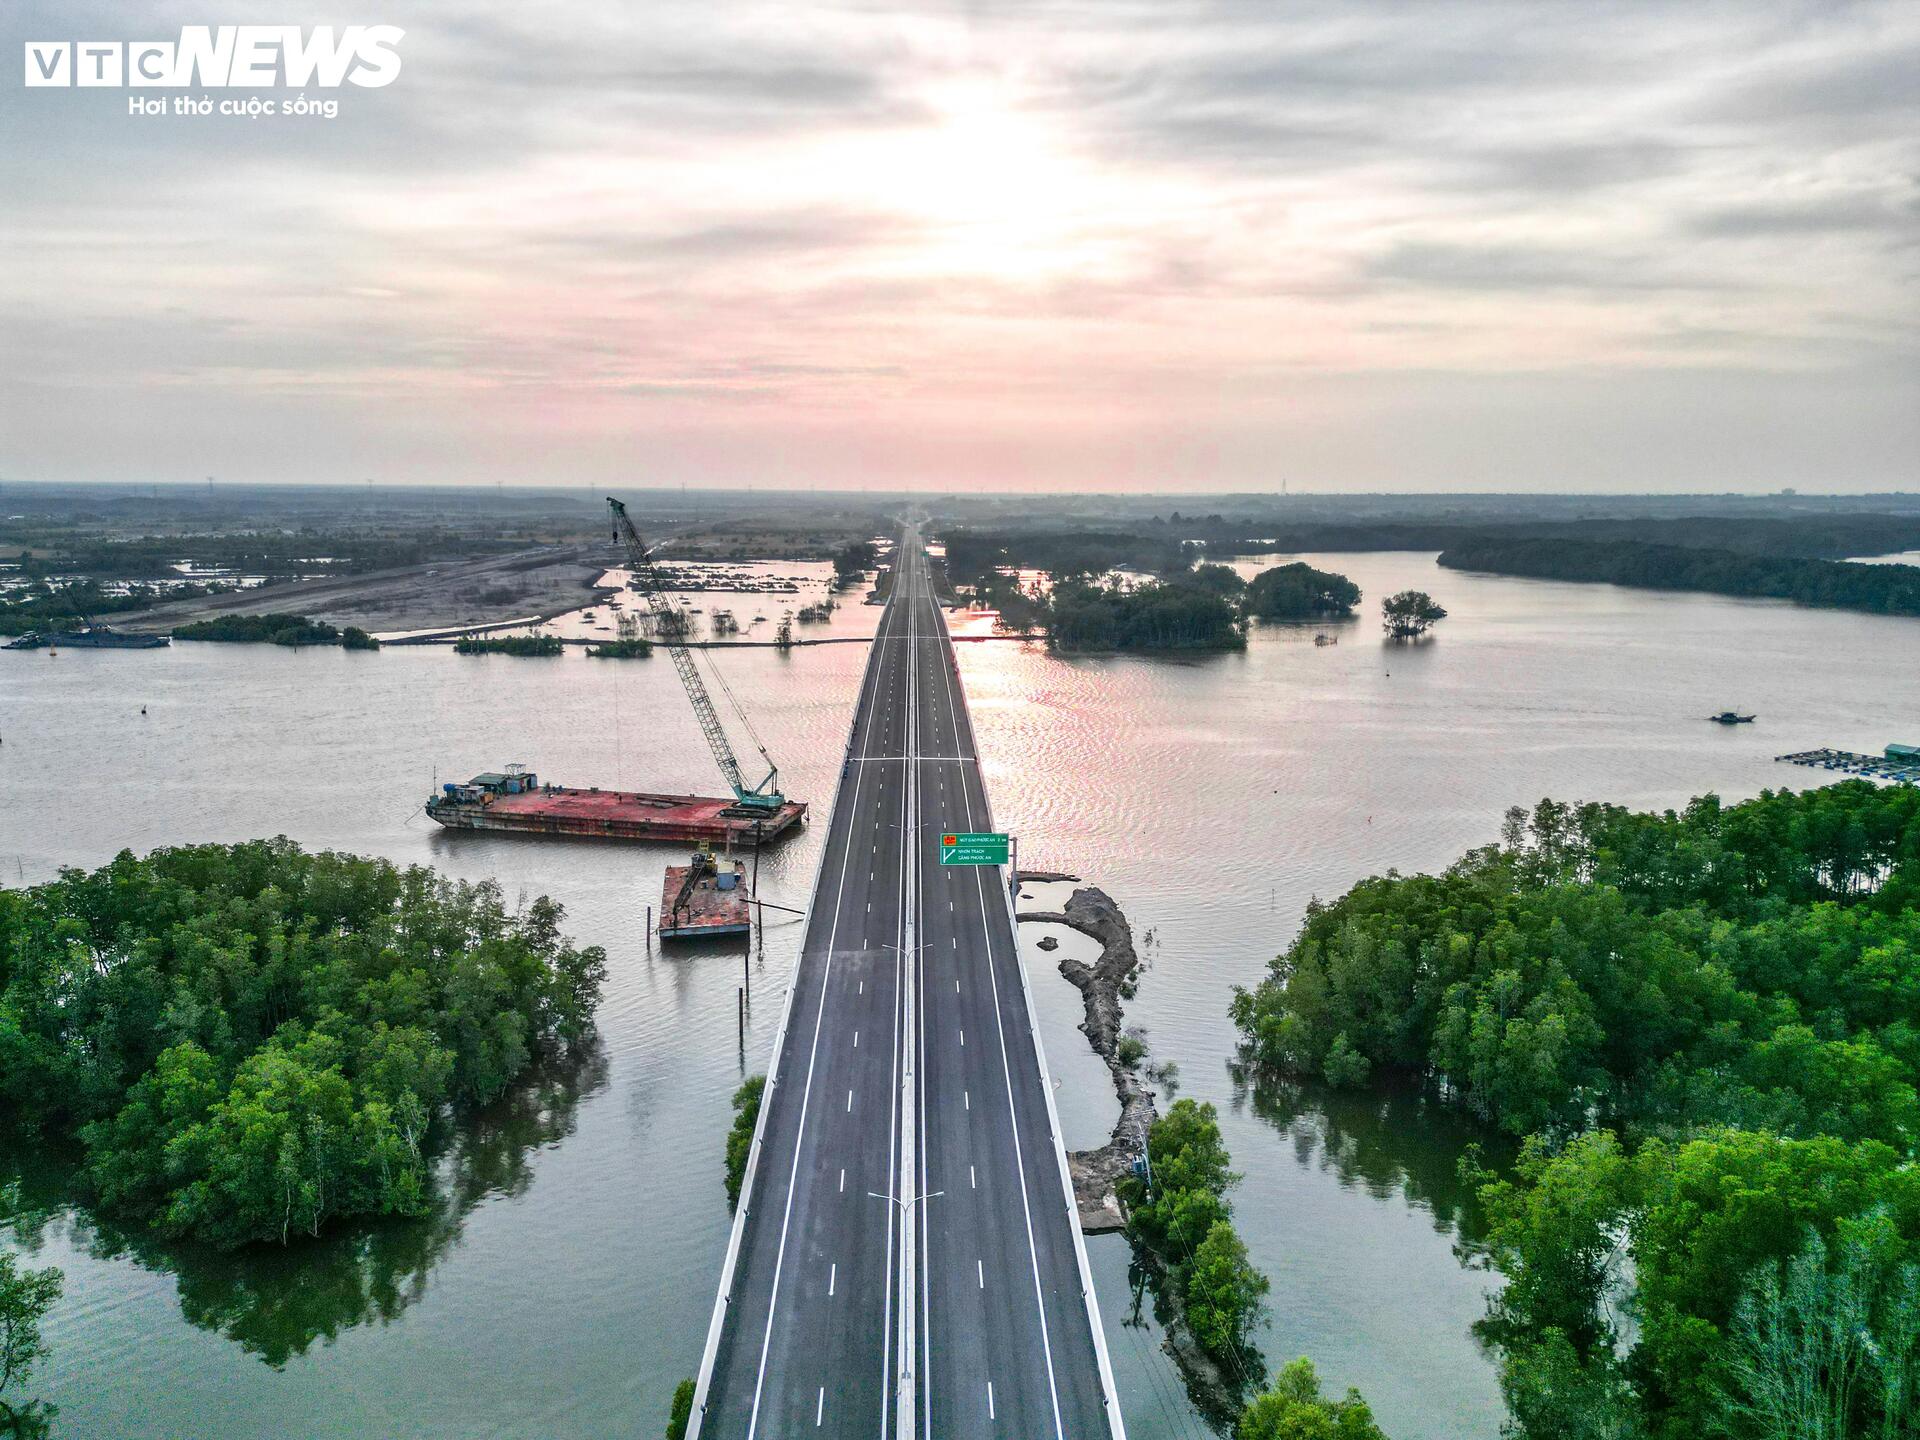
(906, 1259)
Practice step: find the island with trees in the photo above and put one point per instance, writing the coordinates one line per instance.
(1298, 592)
(1706, 1026)
(251, 1043)
(524, 646)
(1108, 592)
(1098, 602)
(1179, 614)
(1877, 589)
(275, 629)
(1410, 614)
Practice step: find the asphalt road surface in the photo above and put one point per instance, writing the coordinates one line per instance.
(907, 1254)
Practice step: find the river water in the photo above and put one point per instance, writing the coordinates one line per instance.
(564, 1284)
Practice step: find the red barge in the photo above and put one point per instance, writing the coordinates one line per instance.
(705, 900)
(515, 800)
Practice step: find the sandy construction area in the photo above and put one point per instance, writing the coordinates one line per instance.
(539, 582)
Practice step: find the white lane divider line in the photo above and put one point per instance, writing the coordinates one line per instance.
(849, 1102)
(820, 1405)
(856, 1039)
(966, 1100)
(989, 1400)
(963, 1037)
(843, 1181)
(833, 1278)
(980, 1269)
(972, 1179)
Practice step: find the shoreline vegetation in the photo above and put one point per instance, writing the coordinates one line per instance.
(1705, 1026)
(61, 606)
(275, 629)
(252, 1043)
(626, 649)
(25, 1298)
(1164, 602)
(1207, 1294)
(746, 1115)
(1824, 583)
(1155, 589)
(537, 646)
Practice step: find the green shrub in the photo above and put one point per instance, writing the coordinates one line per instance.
(746, 1114)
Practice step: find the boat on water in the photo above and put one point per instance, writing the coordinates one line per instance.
(516, 800)
(705, 899)
(92, 637)
(1731, 717)
(1325, 639)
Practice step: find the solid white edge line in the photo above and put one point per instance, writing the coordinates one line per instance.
(704, 1377)
(1116, 1426)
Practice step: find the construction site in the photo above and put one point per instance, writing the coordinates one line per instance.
(706, 897)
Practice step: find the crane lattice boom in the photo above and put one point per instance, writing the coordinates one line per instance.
(671, 628)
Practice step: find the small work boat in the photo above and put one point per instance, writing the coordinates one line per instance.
(1731, 717)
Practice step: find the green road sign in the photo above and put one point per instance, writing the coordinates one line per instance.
(986, 848)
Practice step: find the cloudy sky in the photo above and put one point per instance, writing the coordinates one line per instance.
(1087, 244)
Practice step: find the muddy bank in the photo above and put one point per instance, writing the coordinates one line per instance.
(1092, 912)
(491, 590)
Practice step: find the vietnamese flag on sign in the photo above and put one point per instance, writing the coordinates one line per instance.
(949, 839)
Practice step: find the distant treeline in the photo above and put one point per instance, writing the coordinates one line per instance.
(273, 553)
(275, 629)
(1823, 537)
(1880, 589)
(1064, 554)
(1164, 546)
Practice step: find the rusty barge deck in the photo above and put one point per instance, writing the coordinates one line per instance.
(705, 900)
(611, 815)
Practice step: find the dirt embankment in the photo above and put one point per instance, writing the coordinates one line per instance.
(1092, 912)
(492, 589)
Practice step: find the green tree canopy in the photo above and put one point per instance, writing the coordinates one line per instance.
(1294, 1409)
(1409, 614)
(1300, 592)
(250, 1040)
